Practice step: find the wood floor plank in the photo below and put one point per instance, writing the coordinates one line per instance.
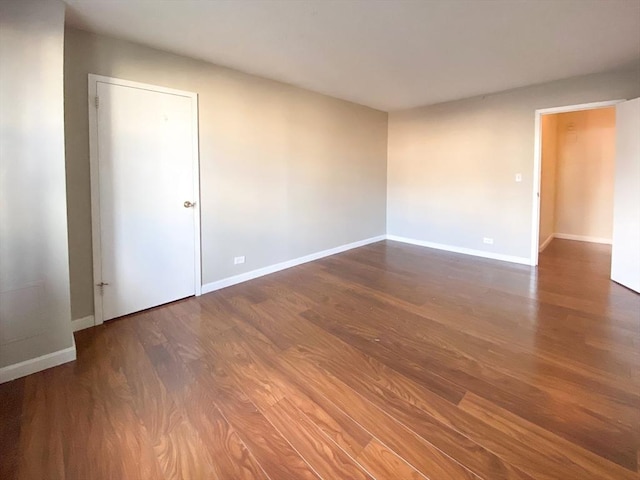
(514, 321)
(335, 423)
(384, 464)
(147, 328)
(108, 394)
(231, 457)
(571, 459)
(226, 456)
(390, 361)
(589, 428)
(40, 433)
(157, 382)
(12, 394)
(422, 455)
(447, 440)
(325, 457)
(276, 456)
(99, 418)
(277, 317)
(447, 315)
(250, 375)
(261, 356)
(493, 354)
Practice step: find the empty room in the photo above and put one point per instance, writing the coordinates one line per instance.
(320, 239)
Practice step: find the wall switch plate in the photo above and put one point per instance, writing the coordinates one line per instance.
(518, 177)
(488, 241)
(238, 260)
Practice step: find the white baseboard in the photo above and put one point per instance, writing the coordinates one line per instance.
(465, 251)
(582, 238)
(546, 243)
(260, 272)
(33, 365)
(82, 323)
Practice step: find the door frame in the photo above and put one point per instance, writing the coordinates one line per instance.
(537, 165)
(95, 180)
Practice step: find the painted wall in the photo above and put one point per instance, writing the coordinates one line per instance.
(451, 167)
(585, 173)
(34, 266)
(284, 172)
(549, 126)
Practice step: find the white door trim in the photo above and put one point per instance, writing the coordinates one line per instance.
(537, 165)
(95, 180)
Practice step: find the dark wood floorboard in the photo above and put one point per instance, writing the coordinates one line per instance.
(386, 362)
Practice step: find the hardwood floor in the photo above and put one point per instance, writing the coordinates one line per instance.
(388, 362)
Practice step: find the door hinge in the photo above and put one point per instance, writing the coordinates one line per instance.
(97, 102)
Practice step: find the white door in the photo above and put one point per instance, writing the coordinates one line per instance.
(625, 257)
(147, 197)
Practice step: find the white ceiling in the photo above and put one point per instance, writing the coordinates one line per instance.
(383, 53)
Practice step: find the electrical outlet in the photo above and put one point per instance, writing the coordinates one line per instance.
(238, 260)
(488, 241)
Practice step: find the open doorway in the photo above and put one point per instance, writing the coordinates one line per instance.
(575, 167)
(587, 182)
(577, 176)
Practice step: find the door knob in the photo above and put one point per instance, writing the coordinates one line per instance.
(188, 204)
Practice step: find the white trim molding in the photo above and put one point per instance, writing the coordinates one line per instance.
(464, 251)
(583, 238)
(260, 272)
(34, 365)
(82, 323)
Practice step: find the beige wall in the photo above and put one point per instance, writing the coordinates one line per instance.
(284, 172)
(549, 126)
(34, 265)
(451, 166)
(585, 173)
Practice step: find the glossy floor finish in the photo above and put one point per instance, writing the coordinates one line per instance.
(389, 362)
